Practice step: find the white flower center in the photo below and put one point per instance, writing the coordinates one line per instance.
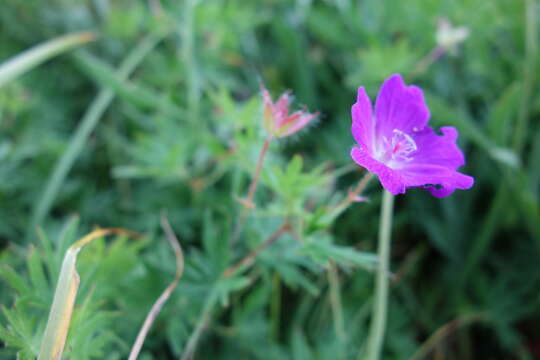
(398, 150)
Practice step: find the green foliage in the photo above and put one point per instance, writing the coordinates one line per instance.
(93, 331)
(183, 133)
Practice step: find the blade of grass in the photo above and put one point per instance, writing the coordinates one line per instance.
(156, 308)
(336, 304)
(202, 323)
(105, 76)
(188, 51)
(86, 126)
(54, 337)
(29, 59)
(529, 74)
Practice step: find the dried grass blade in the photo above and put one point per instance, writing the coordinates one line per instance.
(54, 338)
(156, 308)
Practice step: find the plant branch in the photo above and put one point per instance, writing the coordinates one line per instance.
(249, 259)
(247, 202)
(352, 196)
(257, 175)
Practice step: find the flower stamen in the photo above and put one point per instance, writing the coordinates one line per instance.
(398, 150)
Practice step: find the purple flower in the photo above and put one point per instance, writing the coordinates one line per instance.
(397, 145)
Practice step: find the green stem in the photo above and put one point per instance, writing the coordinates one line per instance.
(378, 321)
(257, 175)
(202, 323)
(335, 303)
(188, 53)
(247, 203)
(275, 306)
(444, 332)
(529, 74)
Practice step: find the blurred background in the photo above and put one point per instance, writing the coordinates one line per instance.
(162, 112)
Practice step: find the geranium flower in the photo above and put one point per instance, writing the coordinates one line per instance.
(277, 120)
(397, 145)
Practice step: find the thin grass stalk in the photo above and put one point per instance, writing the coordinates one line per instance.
(439, 336)
(335, 302)
(202, 323)
(86, 126)
(529, 73)
(156, 308)
(29, 59)
(188, 55)
(275, 306)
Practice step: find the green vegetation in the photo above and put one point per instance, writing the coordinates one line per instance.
(160, 117)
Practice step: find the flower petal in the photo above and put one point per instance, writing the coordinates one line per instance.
(458, 181)
(438, 149)
(281, 108)
(298, 123)
(435, 163)
(390, 179)
(399, 107)
(440, 180)
(363, 127)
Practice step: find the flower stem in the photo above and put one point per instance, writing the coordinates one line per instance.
(247, 203)
(429, 59)
(257, 175)
(378, 321)
(352, 196)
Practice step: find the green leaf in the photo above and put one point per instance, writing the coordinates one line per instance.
(300, 346)
(322, 250)
(14, 280)
(503, 114)
(37, 274)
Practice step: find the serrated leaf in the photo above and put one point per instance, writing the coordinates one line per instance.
(37, 274)
(322, 251)
(14, 280)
